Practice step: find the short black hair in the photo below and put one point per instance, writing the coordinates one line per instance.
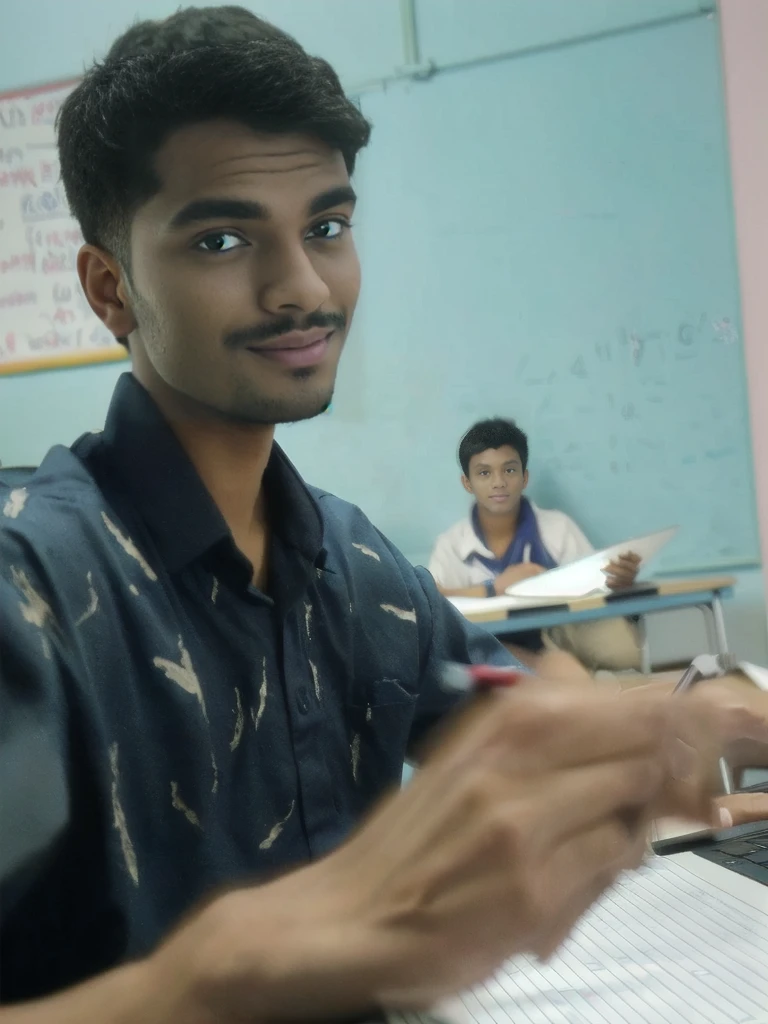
(114, 122)
(194, 26)
(495, 433)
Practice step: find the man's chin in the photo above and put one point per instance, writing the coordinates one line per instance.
(271, 411)
(306, 412)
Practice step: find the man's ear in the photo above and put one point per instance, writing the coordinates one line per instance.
(466, 484)
(525, 479)
(103, 282)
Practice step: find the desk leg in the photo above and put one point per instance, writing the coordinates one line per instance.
(718, 618)
(709, 627)
(646, 664)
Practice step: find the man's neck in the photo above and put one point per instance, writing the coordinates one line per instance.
(230, 459)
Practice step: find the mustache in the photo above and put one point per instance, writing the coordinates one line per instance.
(283, 325)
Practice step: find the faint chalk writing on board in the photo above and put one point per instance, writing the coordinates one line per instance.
(636, 348)
(725, 331)
(579, 367)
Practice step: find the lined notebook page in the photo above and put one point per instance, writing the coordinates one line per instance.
(680, 942)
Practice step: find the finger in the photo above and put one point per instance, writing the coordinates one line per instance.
(619, 573)
(744, 807)
(578, 799)
(495, 819)
(622, 568)
(582, 870)
(491, 816)
(629, 558)
(742, 712)
(542, 725)
(618, 582)
(518, 894)
(693, 762)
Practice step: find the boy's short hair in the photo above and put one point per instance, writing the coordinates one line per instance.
(493, 433)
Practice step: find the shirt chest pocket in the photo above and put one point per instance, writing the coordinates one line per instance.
(380, 717)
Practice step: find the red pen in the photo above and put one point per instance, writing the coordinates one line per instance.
(469, 678)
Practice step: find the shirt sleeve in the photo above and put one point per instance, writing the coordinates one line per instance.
(447, 569)
(34, 800)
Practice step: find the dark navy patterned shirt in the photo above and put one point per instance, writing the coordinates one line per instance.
(166, 727)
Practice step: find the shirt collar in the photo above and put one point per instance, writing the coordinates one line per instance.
(145, 459)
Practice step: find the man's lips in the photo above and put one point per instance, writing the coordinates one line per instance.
(297, 349)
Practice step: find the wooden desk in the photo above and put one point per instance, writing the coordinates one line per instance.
(649, 597)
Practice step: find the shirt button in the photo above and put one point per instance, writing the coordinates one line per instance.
(301, 700)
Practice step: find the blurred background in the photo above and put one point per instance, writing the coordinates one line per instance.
(563, 219)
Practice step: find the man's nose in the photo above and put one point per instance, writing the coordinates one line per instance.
(292, 283)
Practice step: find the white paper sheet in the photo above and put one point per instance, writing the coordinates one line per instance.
(683, 941)
(473, 605)
(585, 576)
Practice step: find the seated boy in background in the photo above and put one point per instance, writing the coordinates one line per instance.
(506, 538)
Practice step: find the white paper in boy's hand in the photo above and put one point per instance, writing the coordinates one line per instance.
(586, 575)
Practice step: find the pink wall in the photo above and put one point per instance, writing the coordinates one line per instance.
(745, 58)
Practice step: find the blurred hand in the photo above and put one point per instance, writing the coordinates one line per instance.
(740, 715)
(623, 572)
(531, 804)
(515, 574)
(741, 711)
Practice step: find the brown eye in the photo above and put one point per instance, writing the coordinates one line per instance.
(220, 241)
(329, 229)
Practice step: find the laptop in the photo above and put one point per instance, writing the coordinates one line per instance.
(743, 848)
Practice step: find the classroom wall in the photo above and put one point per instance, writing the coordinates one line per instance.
(363, 40)
(744, 35)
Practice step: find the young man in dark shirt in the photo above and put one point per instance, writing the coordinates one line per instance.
(210, 671)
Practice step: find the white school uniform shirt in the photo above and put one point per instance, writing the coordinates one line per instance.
(454, 563)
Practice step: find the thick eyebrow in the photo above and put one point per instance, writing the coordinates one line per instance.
(342, 195)
(248, 209)
(215, 209)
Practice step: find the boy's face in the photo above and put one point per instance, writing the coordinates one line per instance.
(244, 275)
(497, 480)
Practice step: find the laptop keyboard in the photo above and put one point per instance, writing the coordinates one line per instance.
(748, 855)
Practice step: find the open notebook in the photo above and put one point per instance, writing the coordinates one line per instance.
(682, 941)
